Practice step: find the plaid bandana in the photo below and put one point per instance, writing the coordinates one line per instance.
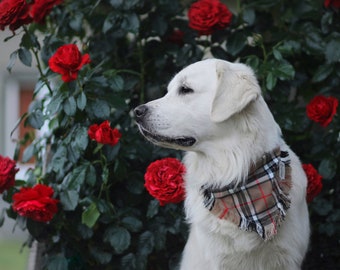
(261, 203)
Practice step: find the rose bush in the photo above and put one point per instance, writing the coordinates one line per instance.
(105, 217)
(164, 180)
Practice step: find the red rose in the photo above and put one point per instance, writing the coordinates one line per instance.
(314, 185)
(164, 180)
(321, 109)
(206, 16)
(176, 37)
(67, 61)
(333, 3)
(35, 203)
(14, 13)
(104, 134)
(41, 8)
(7, 173)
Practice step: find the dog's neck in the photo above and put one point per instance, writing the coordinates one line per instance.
(233, 156)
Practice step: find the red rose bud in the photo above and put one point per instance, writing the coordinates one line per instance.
(41, 8)
(176, 37)
(164, 180)
(14, 13)
(314, 185)
(206, 16)
(321, 109)
(35, 203)
(104, 134)
(67, 61)
(7, 173)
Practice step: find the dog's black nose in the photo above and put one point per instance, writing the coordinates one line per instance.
(141, 111)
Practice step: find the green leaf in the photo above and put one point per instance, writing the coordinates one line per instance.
(35, 119)
(77, 178)
(277, 55)
(99, 108)
(130, 23)
(28, 153)
(58, 262)
(117, 83)
(284, 71)
(152, 209)
(218, 52)
(69, 199)
(253, 61)
(105, 175)
(81, 138)
(322, 206)
(12, 58)
(111, 22)
(249, 16)
(81, 101)
(135, 184)
(128, 262)
(90, 215)
(59, 159)
(55, 103)
(132, 224)
(118, 237)
(70, 106)
(327, 168)
(332, 51)
(77, 21)
(25, 56)
(91, 176)
(322, 73)
(236, 43)
(2, 216)
(270, 81)
(101, 256)
(146, 243)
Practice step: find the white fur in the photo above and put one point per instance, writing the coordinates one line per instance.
(233, 127)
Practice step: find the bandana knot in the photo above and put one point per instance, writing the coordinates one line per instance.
(261, 202)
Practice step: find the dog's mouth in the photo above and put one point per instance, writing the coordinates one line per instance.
(167, 141)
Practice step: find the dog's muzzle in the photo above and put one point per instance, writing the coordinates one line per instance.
(141, 113)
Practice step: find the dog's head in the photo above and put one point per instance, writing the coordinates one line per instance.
(199, 100)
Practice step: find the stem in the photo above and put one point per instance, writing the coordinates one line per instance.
(42, 75)
(265, 56)
(238, 7)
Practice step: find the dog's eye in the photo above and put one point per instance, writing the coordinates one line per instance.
(183, 90)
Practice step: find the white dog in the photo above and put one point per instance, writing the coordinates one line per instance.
(245, 188)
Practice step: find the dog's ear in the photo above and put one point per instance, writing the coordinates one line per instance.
(235, 90)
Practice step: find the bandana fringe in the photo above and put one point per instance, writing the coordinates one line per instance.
(261, 203)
